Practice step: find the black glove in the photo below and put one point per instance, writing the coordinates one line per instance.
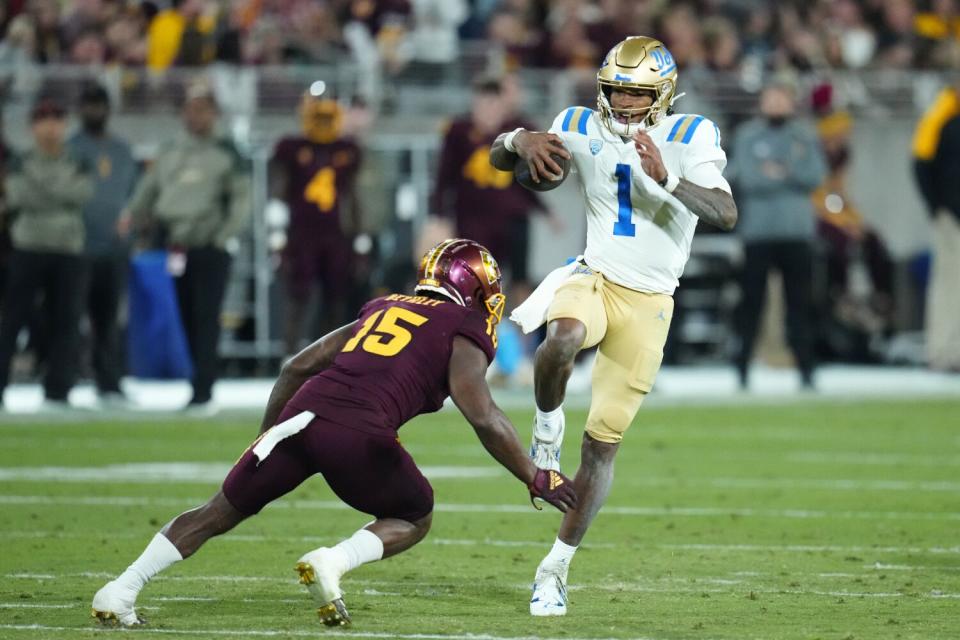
(553, 487)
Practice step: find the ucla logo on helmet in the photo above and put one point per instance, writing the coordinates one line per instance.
(595, 146)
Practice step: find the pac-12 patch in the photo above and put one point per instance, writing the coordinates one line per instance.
(595, 146)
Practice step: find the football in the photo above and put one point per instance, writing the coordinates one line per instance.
(521, 172)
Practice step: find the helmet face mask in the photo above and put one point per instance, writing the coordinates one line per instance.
(465, 273)
(634, 65)
(320, 118)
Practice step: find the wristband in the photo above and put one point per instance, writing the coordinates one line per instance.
(508, 141)
(670, 183)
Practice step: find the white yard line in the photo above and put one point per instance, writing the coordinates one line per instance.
(214, 472)
(804, 548)
(720, 586)
(193, 472)
(673, 512)
(35, 605)
(299, 634)
(876, 459)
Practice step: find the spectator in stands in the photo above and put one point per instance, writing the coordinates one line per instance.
(777, 163)
(936, 154)
(115, 174)
(486, 204)
(313, 178)
(46, 190)
(433, 43)
(48, 36)
(937, 32)
(196, 200)
(856, 305)
(183, 34)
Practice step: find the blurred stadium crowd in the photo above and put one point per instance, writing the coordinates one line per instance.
(216, 210)
(719, 34)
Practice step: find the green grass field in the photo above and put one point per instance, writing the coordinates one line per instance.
(803, 521)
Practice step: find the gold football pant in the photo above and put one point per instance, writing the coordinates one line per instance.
(630, 328)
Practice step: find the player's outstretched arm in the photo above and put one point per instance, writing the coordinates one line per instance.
(536, 147)
(714, 206)
(469, 390)
(301, 367)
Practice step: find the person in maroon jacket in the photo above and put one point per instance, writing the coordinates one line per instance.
(486, 204)
(312, 179)
(336, 410)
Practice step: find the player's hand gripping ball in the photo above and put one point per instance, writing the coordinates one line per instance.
(553, 487)
(542, 163)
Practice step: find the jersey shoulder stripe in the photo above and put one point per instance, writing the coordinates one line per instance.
(684, 128)
(576, 119)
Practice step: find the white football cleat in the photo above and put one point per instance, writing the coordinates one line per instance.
(545, 447)
(113, 606)
(549, 591)
(320, 572)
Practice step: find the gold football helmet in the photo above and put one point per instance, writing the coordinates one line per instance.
(320, 118)
(638, 63)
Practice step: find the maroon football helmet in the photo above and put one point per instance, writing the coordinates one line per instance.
(466, 273)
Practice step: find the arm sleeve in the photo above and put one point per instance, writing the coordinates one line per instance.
(747, 168)
(446, 174)
(704, 159)
(808, 171)
(145, 194)
(74, 186)
(238, 200)
(477, 329)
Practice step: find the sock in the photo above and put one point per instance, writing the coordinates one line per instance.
(547, 425)
(362, 547)
(560, 555)
(158, 555)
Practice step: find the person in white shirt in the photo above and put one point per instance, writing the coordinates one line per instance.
(647, 176)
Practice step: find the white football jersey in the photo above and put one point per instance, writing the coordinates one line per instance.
(634, 238)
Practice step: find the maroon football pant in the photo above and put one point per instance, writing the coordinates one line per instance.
(371, 473)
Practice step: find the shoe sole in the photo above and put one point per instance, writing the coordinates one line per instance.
(110, 619)
(332, 613)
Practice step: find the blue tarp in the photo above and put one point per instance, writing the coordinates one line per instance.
(157, 346)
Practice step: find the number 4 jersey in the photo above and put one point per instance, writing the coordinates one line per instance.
(395, 365)
(633, 237)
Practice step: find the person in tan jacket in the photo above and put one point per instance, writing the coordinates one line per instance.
(194, 200)
(46, 189)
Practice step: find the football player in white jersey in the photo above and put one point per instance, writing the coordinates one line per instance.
(647, 176)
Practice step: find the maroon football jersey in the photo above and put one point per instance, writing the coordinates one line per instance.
(395, 365)
(318, 177)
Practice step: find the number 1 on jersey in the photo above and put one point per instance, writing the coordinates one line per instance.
(624, 226)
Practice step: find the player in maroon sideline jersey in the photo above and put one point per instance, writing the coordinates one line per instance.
(336, 409)
(313, 181)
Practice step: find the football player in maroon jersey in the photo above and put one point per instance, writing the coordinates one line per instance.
(313, 178)
(336, 409)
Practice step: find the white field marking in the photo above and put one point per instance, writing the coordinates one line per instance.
(299, 634)
(198, 472)
(674, 512)
(32, 605)
(876, 459)
(798, 483)
(255, 538)
(214, 472)
(807, 548)
(649, 586)
(880, 566)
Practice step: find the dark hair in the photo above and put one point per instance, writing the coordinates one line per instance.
(93, 93)
(47, 107)
(487, 84)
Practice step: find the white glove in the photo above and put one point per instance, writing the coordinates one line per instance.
(276, 214)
